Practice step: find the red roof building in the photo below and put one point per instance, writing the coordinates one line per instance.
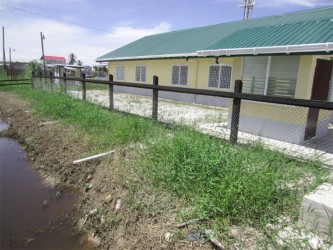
(54, 59)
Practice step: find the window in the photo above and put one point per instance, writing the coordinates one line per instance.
(179, 74)
(120, 72)
(270, 75)
(140, 73)
(219, 76)
(254, 74)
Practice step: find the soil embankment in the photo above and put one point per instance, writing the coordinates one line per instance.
(114, 212)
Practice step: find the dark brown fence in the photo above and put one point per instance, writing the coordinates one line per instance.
(270, 117)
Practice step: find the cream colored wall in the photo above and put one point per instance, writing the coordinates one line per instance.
(198, 70)
(305, 77)
(161, 68)
(276, 112)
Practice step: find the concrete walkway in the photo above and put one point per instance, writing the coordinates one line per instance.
(294, 150)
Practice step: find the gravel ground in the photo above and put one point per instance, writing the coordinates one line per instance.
(168, 111)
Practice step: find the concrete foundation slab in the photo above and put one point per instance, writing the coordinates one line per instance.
(316, 212)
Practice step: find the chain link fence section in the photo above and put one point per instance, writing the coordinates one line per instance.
(295, 130)
(285, 127)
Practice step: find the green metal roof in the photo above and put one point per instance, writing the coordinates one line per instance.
(306, 27)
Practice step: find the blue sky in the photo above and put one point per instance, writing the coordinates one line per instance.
(115, 23)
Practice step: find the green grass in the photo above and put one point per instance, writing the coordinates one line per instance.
(96, 86)
(241, 184)
(3, 74)
(107, 129)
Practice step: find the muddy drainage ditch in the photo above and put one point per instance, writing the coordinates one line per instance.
(32, 215)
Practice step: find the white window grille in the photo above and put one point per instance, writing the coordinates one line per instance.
(179, 74)
(219, 76)
(120, 73)
(140, 73)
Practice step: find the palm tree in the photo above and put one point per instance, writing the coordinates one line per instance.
(72, 59)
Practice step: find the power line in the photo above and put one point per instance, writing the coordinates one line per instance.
(61, 20)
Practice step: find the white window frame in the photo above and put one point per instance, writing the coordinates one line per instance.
(179, 74)
(218, 83)
(121, 73)
(142, 77)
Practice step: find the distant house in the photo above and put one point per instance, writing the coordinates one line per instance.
(54, 60)
(57, 65)
(287, 55)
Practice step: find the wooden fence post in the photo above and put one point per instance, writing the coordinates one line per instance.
(155, 99)
(40, 80)
(235, 112)
(84, 87)
(51, 81)
(32, 79)
(110, 92)
(65, 83)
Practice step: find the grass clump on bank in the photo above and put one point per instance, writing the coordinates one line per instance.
(242, 184)
(106, 129)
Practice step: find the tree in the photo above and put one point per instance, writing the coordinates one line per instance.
(72, 59)
(79, 62)
(35, 66)
(104, 69)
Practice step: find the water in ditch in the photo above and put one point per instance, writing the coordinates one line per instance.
(3, 125)
(32, 215)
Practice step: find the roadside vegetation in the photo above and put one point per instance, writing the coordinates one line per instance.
(221, 184)
(106, 130)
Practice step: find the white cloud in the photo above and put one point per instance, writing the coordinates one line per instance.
(23, 35)
(128, 31)
(285, 3)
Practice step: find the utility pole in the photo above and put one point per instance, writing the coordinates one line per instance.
(42, 37)
(3, 47)
(10, 63)
(248, 5)
(10, 57)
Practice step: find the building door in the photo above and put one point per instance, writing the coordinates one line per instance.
(320, 87)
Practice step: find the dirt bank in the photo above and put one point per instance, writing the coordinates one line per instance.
(145, 217)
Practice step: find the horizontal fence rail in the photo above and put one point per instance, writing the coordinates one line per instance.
(13, 82)
(217, 93)
(305, 127)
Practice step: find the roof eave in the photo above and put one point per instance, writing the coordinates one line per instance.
(166, 56)
(268, 50)
(285, 49)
